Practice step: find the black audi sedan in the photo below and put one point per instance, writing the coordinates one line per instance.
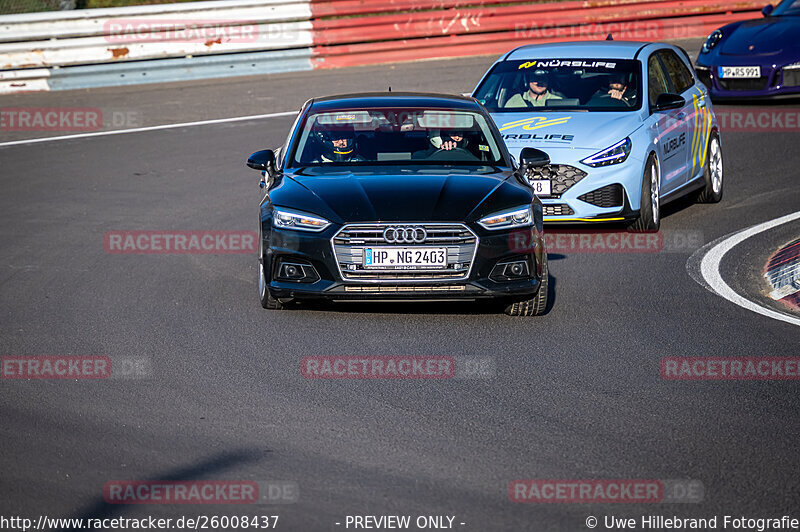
(399, 197)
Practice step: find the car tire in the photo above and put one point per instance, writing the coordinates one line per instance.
(712, 173)
(537, 305)
(650, 206)
(267, 301)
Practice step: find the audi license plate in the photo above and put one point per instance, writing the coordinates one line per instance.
(397, 258)
(742, 72)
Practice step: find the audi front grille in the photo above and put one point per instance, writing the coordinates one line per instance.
(351, 240)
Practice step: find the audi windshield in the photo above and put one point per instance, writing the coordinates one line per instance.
(562, 85)
(376, 137)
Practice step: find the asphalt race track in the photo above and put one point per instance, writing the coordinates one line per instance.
(575, 394)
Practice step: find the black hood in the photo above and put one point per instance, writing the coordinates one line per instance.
(407, 195)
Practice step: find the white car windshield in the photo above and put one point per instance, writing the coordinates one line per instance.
(562, 85)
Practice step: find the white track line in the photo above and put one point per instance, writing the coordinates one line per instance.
(709, 268)
(149, 128)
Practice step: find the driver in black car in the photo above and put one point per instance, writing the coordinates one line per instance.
(338, 146)
(445, 141)
(453, 141)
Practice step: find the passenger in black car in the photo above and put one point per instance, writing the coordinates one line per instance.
(338, 146)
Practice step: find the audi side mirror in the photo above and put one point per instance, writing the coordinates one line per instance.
(667, 101)
(767, 10)
(263, 160)
(532, 158)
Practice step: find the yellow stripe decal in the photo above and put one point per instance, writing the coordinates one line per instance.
(696, 135)
(704, 153)
(520, 122)
(535, 123)
(554, 122)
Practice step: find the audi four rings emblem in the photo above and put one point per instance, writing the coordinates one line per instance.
(405, 235)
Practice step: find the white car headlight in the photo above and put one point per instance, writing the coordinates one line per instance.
(519, 217)
(283, 219)
(614, 155)
(712, 41)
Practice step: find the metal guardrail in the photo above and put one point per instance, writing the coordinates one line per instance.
(95, 22)
(166, 42)
(116, 48)
(39, 51)
(180, 69)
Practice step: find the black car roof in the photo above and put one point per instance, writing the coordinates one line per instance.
(394, 99)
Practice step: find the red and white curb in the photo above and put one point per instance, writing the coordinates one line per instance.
(782, 272)
(704, 265)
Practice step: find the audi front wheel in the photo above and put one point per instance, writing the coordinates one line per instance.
(537, 305)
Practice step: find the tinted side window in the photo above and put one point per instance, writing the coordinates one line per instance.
(677, 71)
(657, 79)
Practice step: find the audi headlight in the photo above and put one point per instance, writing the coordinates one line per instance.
(519, 217)
(284, 219)
(614, 155)
(712, 41)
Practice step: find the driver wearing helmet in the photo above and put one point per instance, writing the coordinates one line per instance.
(338, 146)
(537, 93)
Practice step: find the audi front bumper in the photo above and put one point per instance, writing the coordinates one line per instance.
(329, 266)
